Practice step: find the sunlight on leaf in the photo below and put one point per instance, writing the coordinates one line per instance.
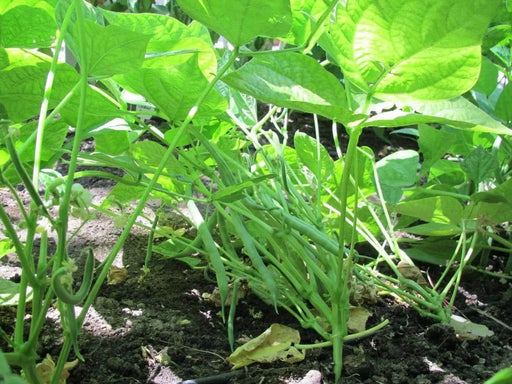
(27, 24)
(9, 293)
(291, 80)
(276, 343)
(406, 50)
(239, 21)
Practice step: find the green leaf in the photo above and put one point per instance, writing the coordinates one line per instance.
(489, 213)
(239, 21)
(436, 209)
(179, 52)
(168, 37)
(27, 24)
(502, 377)
(306, 148)
(72, 36)
(160, 28)
(23, 83)
(53, 138)
(175, 89)
(292, 80)
(494, 206)
(480, 165)
(113, 50)
(123, 193)
(434, 252)
(458, 113)
(434, 229)
(6, 247)
(304, 13)
(407, 50)
(488, 78)
(398, 169)
(99, 110)
(9, 293)
(503, 107)
(112, 138)
(501, 194)
(434, 144)
(235, 192)
(4, 58)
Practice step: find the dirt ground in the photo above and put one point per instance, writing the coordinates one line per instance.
(161, 330)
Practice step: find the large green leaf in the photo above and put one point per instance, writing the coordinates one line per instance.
(174, 52)
(161, 28)
(168, 38)
(480, 165)
(99, 110)
(23, 81)
(239, 21)
(488, 78)
(53, 138)
(436, 209)
(493, 206)
(27, 24)
(113, 50)
(72, 37)
(403, 50)
(458, 113)
(175, 89)
(295, 81)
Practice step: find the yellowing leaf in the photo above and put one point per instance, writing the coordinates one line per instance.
(410, 271)
(116, 275)
(468, 330)
(276, 343)
(357, 319)
(46, 368)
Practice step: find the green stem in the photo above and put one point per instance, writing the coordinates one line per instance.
(145, 196)
(319, 26)
(63, 216)
(500, 240)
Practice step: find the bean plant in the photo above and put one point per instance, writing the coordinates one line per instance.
(277, 213)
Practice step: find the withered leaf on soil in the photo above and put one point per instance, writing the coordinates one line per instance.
(276, 343)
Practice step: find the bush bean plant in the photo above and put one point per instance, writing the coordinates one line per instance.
(278, 213)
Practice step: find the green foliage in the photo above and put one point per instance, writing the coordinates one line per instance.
(283, 219)
(401, 62)
(240, 21)
(502, 377)
(292, 80)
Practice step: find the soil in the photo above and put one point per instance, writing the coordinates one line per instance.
(161, 329)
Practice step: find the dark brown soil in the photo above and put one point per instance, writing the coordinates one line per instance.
(137, 323)
(161, 330)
